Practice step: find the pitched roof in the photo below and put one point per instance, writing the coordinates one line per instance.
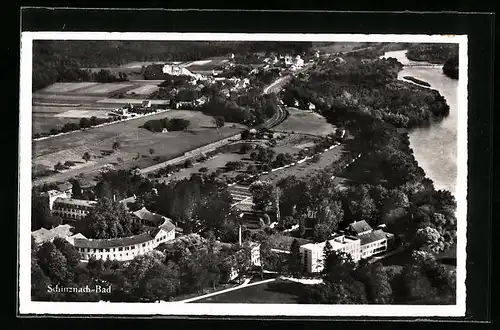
(112, 242)
(360, 226)
(64, 186)
(71, 239)
(43, 235)
(145, 214)
(72, 201)
(374, 236)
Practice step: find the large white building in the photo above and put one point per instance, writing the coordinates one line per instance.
(363, 242)
(312, 254)
(127, 248)
(70, 209)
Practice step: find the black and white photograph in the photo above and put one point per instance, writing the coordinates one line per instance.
(243, 174)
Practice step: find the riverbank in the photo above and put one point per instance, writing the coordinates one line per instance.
(434, 147)
(417, 81)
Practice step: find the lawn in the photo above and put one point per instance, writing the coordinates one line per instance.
(134, 142)
(275, 292)
(305, 122)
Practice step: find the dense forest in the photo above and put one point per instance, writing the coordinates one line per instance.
(446, 54)
(371, 86)
(55, 61)
(433, 53)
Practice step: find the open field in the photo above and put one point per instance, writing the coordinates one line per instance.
(206, 65)
(62, 103)
(134, 142)
(274, 292)
(80, 113)
(67, 87)
(306, 122)
(104, 88)
(49, 97)
(144, 90)
(133, 101)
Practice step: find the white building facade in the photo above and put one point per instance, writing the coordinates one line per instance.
(70, 209)
(312, 253)
(122, 249)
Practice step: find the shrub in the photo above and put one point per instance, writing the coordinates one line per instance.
(188, 163)
(203, 170)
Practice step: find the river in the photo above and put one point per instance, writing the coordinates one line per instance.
(435, 147)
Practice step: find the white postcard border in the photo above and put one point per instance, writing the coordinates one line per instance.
(26, 306)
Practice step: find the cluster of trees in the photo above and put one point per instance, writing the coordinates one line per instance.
(174, 124)
(450, 67)
(237, 71)
(371, 88)
(190, 265)
(433, 53)
(265, 77)
(72, 126)
(121, 184)
(41, 216)
(344, 282)
(199, 204)
(421, 216)
(108, 219)
(57, 60)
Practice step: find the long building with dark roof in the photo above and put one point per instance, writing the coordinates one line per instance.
(127, 248)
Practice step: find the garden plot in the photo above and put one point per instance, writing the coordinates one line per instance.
(307, 168)
(104, 88)
(67, 87)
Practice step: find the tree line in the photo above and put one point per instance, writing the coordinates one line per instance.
(174, 124)
(82, 124)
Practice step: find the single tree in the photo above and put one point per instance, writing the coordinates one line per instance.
(294, 262)
(219, 122)
(151, 151)
(58, 167)
(86, 156)
(116, 145)
(327, 250)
